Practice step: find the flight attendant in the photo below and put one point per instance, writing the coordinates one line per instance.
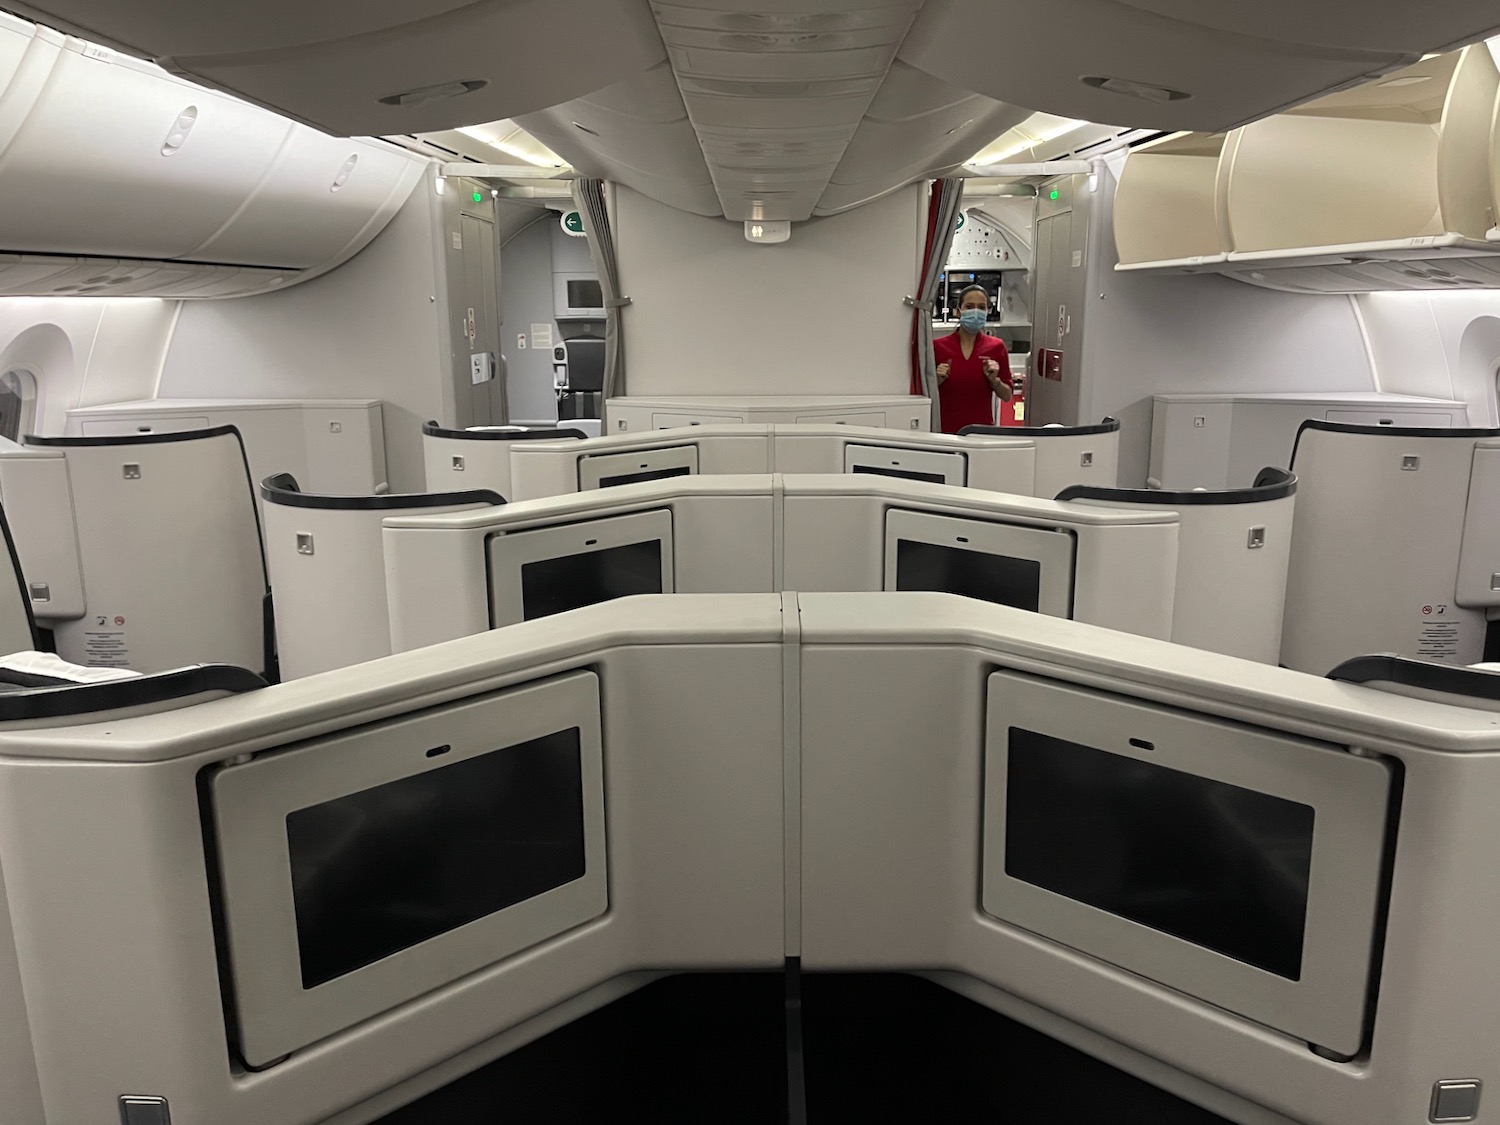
(972, 369)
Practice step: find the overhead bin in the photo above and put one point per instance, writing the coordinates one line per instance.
(1168, 207)
(1180, 64)
(120, 179)
(1388, 186)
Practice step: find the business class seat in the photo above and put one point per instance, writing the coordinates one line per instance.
(1232, 551)
(1066, 455)
(327, 568)
(142, 551)
(1395, 545)
(480, 457)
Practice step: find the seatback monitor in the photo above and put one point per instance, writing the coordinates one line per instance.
(1009, 564)
(567, 582)
(545, 570)
(1003, 579)
(1231, 862)
(380, 870)
(607, 470)
(904, 474)
(366, 868)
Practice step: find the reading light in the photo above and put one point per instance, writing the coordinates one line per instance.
(768, 230)
(441, 185)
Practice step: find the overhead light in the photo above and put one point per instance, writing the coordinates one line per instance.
(440, 185)
(441, 92)
(497, 135)
(1036, 130)
(1409, 80)
(767, 230)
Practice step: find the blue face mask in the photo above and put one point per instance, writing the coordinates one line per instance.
(973, 319)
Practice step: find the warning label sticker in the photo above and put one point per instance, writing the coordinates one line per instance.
(1438, 633)
(104, 642)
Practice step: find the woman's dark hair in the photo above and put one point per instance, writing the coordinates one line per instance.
(975, 289)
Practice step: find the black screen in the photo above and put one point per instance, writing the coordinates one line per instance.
(650, 474)
(1211, 863)
(378, 871)
(955, 570)
(907, 474)
(585, 295)
(554, 585)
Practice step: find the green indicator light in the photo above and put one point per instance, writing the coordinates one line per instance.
(1054, 194)
(479, 196)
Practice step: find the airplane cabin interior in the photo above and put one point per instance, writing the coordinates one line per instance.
(853, 561)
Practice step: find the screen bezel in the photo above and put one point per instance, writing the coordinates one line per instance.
(563, 308)
(1350, 796)
(274, 1014)
(890, 460)
(592, 468)
(506, 554)
(1053, 549)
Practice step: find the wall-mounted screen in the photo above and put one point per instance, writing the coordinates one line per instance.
(607, 470)
(551, 586)
(1233, 863)
(1002, 579)
(547, 570)
(364, 869)
(577, 295)
(1219, 865)
(648, 474)
(381, 870)
(912, 464)
(1024, 567)
(904, 474)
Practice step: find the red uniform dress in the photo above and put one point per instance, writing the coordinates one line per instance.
(965, 395)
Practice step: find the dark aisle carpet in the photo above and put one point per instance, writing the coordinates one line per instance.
(711, 1049)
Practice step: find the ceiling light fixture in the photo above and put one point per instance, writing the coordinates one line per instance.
(536, 153)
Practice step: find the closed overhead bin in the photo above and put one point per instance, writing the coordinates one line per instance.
(121, 179)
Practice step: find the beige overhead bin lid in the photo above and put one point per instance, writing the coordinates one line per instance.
(118, 178)
(1169, 206)
(1384, 187)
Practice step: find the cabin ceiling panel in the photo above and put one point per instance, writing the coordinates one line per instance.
(635, 133)
(1174, 71)
(916, 127)
(775, 97)
(518, 55)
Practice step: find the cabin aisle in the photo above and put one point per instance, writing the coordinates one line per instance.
(879, 1049)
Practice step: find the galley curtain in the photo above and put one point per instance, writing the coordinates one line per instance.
(588, 195)
(942, 215)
